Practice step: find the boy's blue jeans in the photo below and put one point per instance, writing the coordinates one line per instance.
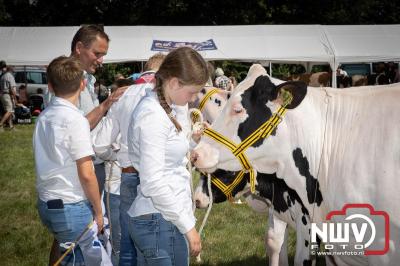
(66, 225)
(128, 193)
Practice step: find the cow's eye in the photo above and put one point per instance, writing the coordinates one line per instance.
(238, 110)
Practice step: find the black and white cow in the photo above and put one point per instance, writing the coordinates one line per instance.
(333, 147)
(287, 209)
(276, 231)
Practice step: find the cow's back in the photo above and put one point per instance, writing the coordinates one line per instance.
(361, 157)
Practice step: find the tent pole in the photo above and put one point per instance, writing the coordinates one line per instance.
(334, 84)
(270, 68)
(26, 78)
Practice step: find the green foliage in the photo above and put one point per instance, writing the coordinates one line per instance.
(320, 68)
(284, 70)
(206, 12)
(108, 72)
(232, 68)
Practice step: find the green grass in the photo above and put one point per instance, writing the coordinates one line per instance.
(23, 239)
(234, 234)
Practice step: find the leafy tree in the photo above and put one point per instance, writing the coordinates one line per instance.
(194, 12)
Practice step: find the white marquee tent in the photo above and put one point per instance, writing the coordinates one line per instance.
(271, 43)
(38, 45)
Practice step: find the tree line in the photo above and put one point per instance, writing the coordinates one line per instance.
(195, 12)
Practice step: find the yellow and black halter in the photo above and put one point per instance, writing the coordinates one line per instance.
(238, 150)
(195, 114)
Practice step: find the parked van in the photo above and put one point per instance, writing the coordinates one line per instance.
(33, 77)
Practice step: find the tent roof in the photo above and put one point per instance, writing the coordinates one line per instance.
(288, 43)
(34, 45)
(259, 42)
(364, 43)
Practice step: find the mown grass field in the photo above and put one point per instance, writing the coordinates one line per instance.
(234, 234)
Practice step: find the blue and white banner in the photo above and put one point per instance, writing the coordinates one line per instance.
(166, 46)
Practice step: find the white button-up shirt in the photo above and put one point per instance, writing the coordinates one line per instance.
(158, 152)
(61, 136)
(117, 121)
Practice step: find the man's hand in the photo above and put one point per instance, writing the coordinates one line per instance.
(114, 96)
(194, 242)
(97, 113)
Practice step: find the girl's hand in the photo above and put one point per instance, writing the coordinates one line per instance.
(194, 242)
(198, 130)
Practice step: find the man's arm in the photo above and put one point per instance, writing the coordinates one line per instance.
(13, 95)
(97, 113)
(88, 180)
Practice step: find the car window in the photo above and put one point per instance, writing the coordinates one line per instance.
(34, 77)
(19, 77)
(44, 78)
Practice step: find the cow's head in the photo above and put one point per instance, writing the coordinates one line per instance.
(254, 101)
(270, 190)
(201, 195)
(213, 105)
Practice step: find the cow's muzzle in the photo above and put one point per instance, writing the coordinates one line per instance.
(205, 157)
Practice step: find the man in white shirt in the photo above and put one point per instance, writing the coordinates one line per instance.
(66, 183)
(89, 45)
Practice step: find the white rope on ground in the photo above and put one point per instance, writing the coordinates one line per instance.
(203, 224)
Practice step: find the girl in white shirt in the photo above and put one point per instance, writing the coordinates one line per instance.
(162, 220)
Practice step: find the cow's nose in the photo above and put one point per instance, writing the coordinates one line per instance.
(198, 203)
(193, 156)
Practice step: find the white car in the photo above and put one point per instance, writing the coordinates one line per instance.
(34, 77)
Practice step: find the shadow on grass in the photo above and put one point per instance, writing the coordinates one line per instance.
(251, 261)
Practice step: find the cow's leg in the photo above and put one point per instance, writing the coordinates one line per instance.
(302, 256)
(274, 239)
(283, 255)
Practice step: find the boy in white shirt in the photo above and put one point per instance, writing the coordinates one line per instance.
(66, 183)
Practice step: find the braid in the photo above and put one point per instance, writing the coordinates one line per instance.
(164, 104)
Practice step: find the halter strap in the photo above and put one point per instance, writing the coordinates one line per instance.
(238, 150)
(206, 97)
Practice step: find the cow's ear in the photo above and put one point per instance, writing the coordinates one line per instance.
(263, 90)
(297, 89)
